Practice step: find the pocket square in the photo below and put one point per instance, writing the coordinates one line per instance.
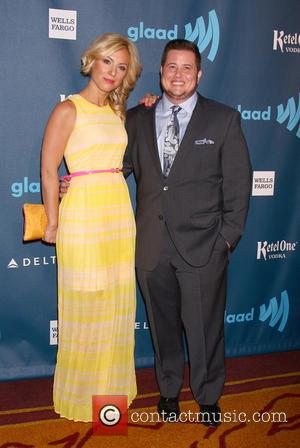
(204, 141)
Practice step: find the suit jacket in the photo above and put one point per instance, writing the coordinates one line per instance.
(206, 194)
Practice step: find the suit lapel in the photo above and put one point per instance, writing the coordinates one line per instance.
(195, 127)
(150, 134)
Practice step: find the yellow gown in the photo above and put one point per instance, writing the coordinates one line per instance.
(96, 278)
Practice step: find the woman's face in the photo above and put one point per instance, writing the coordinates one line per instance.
(109, 72)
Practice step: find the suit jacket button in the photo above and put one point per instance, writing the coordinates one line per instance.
(160, 217)
(166, 188)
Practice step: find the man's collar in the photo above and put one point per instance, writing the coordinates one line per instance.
(187, 105)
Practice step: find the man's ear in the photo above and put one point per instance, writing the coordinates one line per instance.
(199, 76)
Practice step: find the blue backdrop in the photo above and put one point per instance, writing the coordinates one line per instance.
(251, 61)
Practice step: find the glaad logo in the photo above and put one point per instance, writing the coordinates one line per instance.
(255, 114)
(277, 313)
(286, 42)
(205, 37)
(240, 317)
(280, 249)
(273, 311)
(263, 183)
(62, 24)
(200, 35)
(140, 32)
(19, 188)
(292, 113)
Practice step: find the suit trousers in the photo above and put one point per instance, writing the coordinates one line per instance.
(181, 298)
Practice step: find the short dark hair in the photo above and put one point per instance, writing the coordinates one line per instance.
(181, 44)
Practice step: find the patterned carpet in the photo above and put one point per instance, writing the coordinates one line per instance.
(261, 408)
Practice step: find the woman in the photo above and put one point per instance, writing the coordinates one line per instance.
(94, 232)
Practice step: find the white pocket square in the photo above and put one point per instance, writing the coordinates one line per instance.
(204, 141)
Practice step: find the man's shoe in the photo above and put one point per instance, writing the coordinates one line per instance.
(210, 415)
(168, 408)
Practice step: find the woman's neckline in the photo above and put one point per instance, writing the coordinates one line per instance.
(93, 104)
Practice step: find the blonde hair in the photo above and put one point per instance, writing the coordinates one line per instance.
(103, 46)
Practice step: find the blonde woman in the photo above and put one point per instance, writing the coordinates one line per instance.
(94, 232)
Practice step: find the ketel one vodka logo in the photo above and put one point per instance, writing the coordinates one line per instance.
(276, 314)
(286, 42)
(275, 250)
(202, 36)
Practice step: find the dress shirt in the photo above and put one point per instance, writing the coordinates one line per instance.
(162, 114)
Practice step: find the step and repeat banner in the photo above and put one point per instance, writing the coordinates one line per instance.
(251, 61)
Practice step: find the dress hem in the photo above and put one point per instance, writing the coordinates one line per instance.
(86, 421)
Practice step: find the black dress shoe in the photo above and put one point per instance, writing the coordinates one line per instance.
(168, 408)
(210, 414)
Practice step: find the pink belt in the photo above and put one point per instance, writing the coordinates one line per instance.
(83, 173)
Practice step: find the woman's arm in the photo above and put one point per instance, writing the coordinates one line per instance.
(57, 133)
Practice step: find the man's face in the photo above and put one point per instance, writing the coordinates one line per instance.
(179, 75)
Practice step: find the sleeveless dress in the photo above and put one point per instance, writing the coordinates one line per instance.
(96, 277)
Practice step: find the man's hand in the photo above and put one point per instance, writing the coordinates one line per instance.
(63, 187)
(149, 99)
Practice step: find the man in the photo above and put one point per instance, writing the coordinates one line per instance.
(192, 171)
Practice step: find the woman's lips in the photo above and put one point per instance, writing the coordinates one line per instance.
(109, 81)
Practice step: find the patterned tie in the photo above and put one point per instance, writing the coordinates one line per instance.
(171, 143)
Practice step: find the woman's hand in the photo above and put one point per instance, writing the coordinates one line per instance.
(50, 234)
(149, 99)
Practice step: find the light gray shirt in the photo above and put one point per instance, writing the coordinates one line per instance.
(162, 114)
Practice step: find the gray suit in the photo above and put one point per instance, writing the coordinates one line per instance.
(183, 223)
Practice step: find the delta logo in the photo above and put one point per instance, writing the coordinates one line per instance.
(203, 36)
(29, 262)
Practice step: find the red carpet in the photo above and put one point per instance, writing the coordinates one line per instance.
(267, 383)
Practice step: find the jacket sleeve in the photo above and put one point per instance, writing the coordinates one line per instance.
(236, 171)
(127, 160)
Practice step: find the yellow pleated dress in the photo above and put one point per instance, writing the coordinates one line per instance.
(96, 278)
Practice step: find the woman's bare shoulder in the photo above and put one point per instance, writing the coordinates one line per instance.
(65, 108)
(64, 113)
